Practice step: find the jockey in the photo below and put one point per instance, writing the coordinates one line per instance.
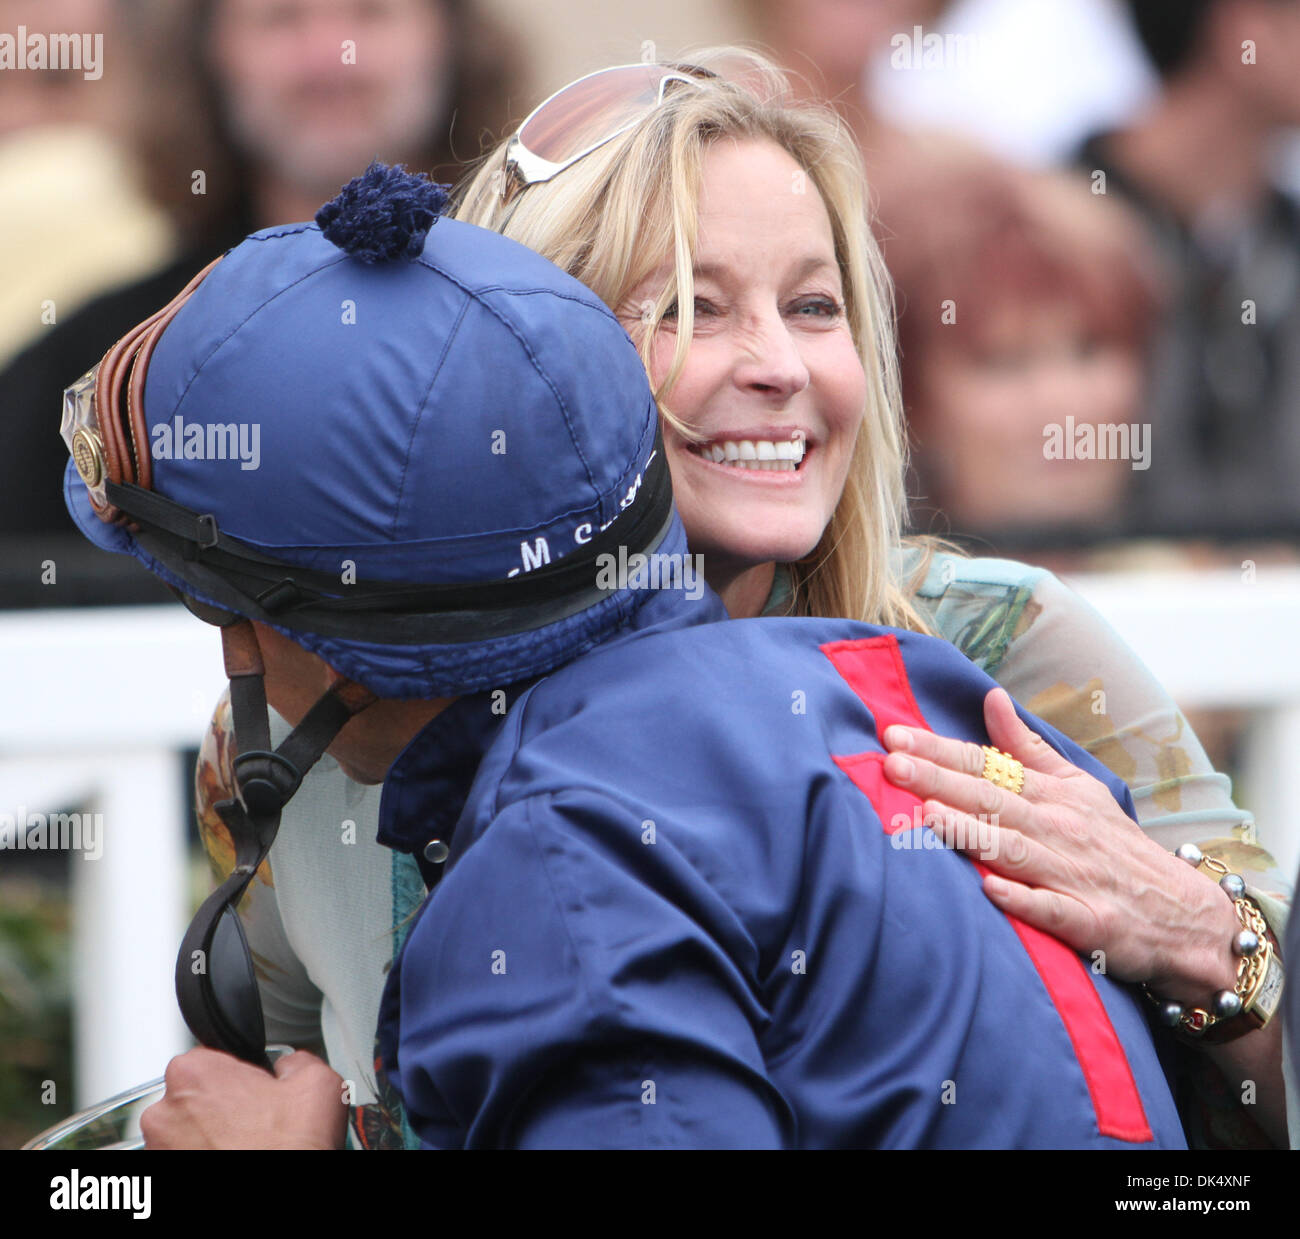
(673, 902)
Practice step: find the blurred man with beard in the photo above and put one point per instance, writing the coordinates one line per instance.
(259, 110)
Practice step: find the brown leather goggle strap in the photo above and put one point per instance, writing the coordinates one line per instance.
(244, 666)
(241, 651)
(126, 438)
(118, 453)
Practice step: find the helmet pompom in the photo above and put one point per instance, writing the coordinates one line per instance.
(384, 214)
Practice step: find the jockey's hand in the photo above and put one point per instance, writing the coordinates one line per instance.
(216, 1101)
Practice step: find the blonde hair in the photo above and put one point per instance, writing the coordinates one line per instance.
(610, 218)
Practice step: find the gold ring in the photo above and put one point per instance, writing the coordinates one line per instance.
(1002, 769)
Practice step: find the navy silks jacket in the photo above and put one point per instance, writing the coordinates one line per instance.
(684, 909)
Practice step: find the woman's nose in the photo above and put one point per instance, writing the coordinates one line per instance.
(770, 362)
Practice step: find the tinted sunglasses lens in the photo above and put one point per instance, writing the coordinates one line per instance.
(216, 985)
(234, 985)
(591, 110)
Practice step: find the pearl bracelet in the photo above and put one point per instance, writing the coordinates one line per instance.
(1258, 989)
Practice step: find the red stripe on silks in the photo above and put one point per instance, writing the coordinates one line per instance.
(874, 669)
(1114, 1092)
(896, 807)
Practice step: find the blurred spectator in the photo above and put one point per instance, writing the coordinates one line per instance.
(56, 95)
(1226, 396)
(1028, 80)
(1025, 307)
(828, 46)
(73, 219)
(74, 223)
(258, 111)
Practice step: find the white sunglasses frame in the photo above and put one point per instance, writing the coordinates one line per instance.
(524, 168)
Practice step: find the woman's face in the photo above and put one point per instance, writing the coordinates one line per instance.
(772, 381)
(981, 420)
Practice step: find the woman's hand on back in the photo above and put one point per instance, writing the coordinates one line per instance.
(1067, 859)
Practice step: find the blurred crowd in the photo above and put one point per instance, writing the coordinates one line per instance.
(1086, 206)
(1098, 347)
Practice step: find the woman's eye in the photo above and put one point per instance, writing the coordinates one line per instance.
(818, 307)
(703, 308)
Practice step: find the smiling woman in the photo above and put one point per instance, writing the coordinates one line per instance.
(773, 381)
(728, 228)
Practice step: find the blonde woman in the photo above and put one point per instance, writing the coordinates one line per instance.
(728, 229)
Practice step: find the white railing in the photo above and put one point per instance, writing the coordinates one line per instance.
(1226, 639)
(98, 702)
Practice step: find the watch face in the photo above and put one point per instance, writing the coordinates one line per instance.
(1270, 992)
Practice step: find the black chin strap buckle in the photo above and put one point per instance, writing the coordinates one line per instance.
(266, 781)
(280, 596)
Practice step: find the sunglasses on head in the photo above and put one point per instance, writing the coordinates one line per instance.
(584, 115)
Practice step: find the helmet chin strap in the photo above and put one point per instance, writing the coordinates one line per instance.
(267, 779)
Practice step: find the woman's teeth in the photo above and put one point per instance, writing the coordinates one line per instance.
(783, 455)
